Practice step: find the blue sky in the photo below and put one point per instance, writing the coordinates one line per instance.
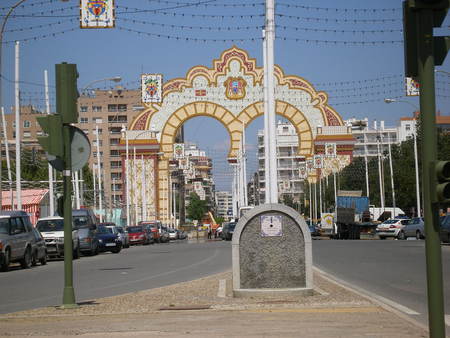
(351, 49)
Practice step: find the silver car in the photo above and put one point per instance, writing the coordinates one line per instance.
(16, 239)
(121, 234)
(414, 228)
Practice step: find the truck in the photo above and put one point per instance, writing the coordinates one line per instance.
(352, 215)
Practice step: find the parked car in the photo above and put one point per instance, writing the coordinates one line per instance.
(164, 233)
(88, 240)
(108, 239)
(84, 218)
(16, 239)
(314, 230)
(181, 234)
(445, 229)
(39, 249)
(414, 228)
(227, 230)
(155, 227)
(52, 229)
(173, 234)
(137, 235)
(391, 227)
(123, 235)
(148, 230)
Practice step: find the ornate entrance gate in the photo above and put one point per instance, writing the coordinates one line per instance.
(232, 93)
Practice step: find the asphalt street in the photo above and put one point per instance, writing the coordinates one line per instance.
(395, 270)
(133, 269)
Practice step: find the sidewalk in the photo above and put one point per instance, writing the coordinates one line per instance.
(205, 308)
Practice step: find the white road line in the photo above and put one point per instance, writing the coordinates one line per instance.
(379, 298)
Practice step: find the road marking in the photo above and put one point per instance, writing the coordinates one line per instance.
(222, 292)
(369, 294)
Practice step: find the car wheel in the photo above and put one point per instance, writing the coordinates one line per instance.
(115, 251)
(6, 260)
(97, 250)
(418, 235)
(43, 260)
(25, 262)
(34, 258)
(382, 237)
(401, 235)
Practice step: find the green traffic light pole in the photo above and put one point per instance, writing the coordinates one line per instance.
(63, 85)
(429, 155)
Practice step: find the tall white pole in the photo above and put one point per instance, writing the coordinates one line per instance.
(392, 173)
(244, 166)
(95, 185)
(367, 167)
(419, 211)
(77, 190)
(380, 176)
(100, 200)
(310, 204)
(143, 196)
(135, 193)
(270, 36)
(50, 168)
(174, 203)
(315, 201)
(127, 177)
(241, 177)
(266, 126)
(320, 194)
(335, 194)
(8, 162)
(18, 164)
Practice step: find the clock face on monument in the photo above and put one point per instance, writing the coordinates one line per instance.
(271, 226)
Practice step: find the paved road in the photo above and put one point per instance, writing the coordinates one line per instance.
(134, 269)
(392, 269)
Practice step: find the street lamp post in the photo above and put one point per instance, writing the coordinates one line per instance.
(416, 164)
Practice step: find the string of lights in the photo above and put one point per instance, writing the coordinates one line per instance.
(235, 5)
(350, 21)
(340, 42)
(42, 36)
(340, 83)
(352, 89)
(51, 24)
(342, 31)
(32, 4)
(131, 10)
(45, 14)
(185, 38)
(25, 82)
(341, 10)
(207, 28)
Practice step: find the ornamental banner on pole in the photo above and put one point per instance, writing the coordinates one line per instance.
(309, 165)
(302, 173)
(97, 14)
(330, 149)
(318, 163)
(178, 151)
(151, 88)
(412, 87)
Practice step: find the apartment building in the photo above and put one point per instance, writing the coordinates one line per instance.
(108, 111)
(224, 204)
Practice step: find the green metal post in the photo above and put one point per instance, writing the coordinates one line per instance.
(429, 156)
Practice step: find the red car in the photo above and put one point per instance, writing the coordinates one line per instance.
(137, 235)
(154, 226)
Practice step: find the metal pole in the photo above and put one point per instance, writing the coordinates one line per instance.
(320, 192)
(266, 127)
(8, 162)
(429, 156)
(310, 203)
(392, 173)
(77, 190)
(18, 164)
(127, 177)
(100, 200)
(367, 168)
(135, 199)
(95, 185)
(416, 165)
(143, 202)
(315, 201)
(50, 168)
(380, 176)
(270, 36)
(244, 166)
(335, 194)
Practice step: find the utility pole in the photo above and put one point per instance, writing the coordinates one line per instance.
(422, 52)
(17, 129)
(50, 168)
(99, 171)
(392, 173)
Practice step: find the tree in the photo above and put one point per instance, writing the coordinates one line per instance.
(196, 208)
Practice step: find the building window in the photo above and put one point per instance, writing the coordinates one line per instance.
(95, 154)
(116, 176)
(26, 134)
(408, 127)
(112, 107)
(122, 107)
(100, 143)
(26, 124)
(97, 120)
(117, 118)
(84, 120)
(116, 164)
(83, 109)
(96, 108)
(114, 153)
(114, 141)
(100, 131)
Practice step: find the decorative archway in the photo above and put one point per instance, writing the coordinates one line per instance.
(231, 91)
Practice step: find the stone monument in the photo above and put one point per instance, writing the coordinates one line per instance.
(271, 253)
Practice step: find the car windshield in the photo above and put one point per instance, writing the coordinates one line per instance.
(50, 225)
(4, 226)
(134, 229)
(231, 226)
(80, 221)
(391, 221)
(103, 230)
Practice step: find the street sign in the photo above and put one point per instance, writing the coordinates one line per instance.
(80, 151)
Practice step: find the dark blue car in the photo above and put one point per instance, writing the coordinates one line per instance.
(107, 241)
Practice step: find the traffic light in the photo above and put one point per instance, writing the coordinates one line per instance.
(52, 143)
(442, 170)
(67, 92)
(413, 10)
